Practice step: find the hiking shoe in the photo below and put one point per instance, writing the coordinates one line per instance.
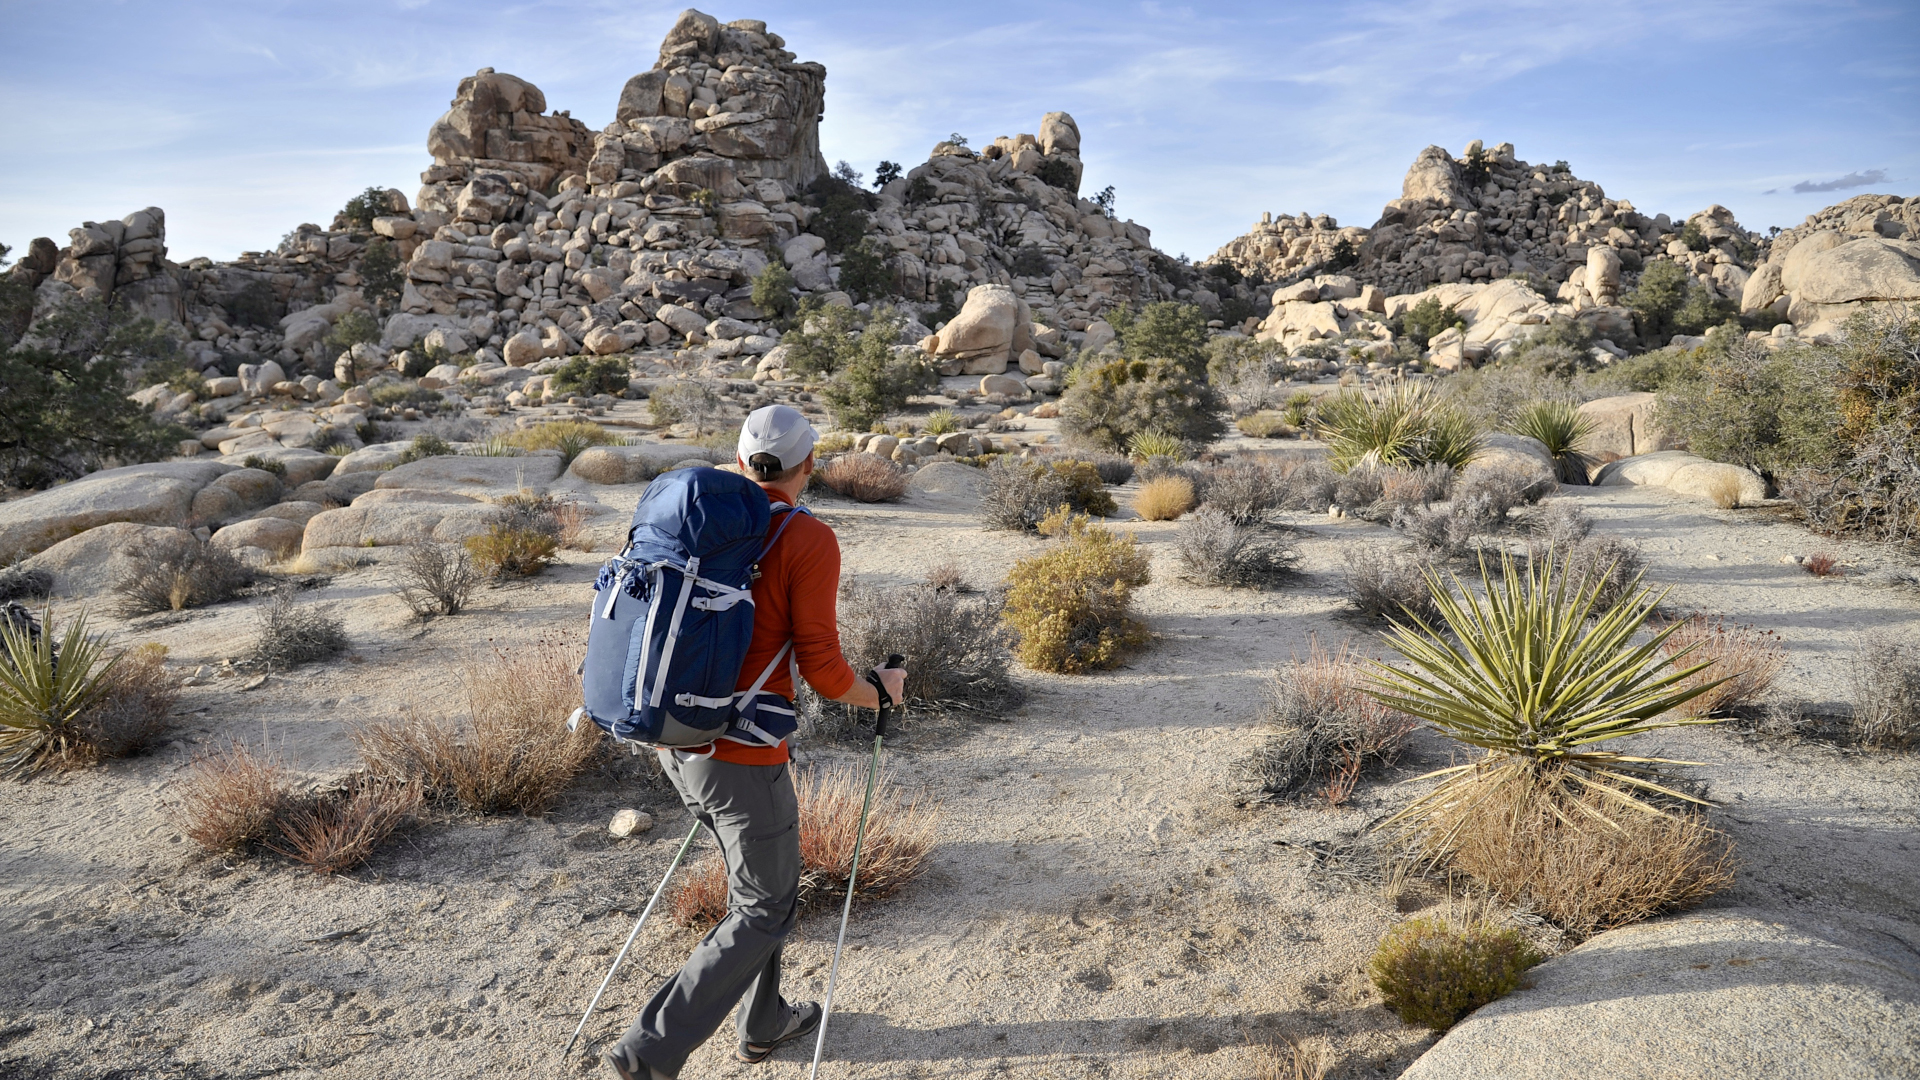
(802, 1022)
(630, 1067)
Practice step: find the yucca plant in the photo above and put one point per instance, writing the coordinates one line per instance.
(44, 689)
(1147, 445)
(1538, 675)
(1561, 427)
(493, 446)
(942, 422)
(1405, 426)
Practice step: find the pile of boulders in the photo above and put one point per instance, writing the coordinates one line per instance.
(1860, 253)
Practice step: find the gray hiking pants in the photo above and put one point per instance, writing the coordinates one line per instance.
(752, 814)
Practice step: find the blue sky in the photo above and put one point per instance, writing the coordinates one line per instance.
(244, 120)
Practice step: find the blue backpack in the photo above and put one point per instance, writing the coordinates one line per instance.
(673, 618)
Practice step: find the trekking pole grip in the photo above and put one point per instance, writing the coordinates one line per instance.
(894, 660)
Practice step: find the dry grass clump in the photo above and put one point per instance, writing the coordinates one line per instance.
(1724, 490)
(505, 552)
(1325, 731)
(1310, 1058)
(1582, 860)
(1306, 484)
(947, 577)
(864, 477)
(19, 583)
(335, 831)
(1884, 686)
(293, 634)
(66, 703)
(1745, 661)
(1387, 585)
(1433, 973)
(194, 576)
(956, 649)
(1071, 605)
(436, 579)
(232, 798)
(513, 752)
(570, 437)
(900, 837)
(1821, 565)
(1018, 495)
(1164, 498)
(1217, 551)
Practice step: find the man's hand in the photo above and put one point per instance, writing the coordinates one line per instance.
(895, 680)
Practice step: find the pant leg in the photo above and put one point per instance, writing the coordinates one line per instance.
(755, 819)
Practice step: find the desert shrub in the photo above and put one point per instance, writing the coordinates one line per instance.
(513, 751)
(1306, 484)
(1874, 494)
(1323, 731)
(1244, 490)
(691, 401)
(1245, 370)
(957, 656)
(353, 327)
(335, 831)
(1872, 485)
(363, 208)
(293, 634)
(382, 279)
(1561, 427)
(1492, 496)
(1766, 410)
(1426, 319)
(1884, 687)
(865, 273)
(591, 375)
(20, 583)
(1164, 498)
(864, 477)
(1744, 661)
(1610, 564)
(1404, 488)
(1164, 330)
(47, 690)
(1432, 973)
(1217, 551)
(506, 551)
(1357, 490)
(943, 422)
(1383, 584)
(899, 840)
(1440, 532)
(1071, 605)
(1666, 302)
(773, 290)
(265, 464)
(436, 579)
(133, 708)
(1086, 492)
(232, 798)
(1019, 494)
(1113, 468)
(570, 437)
(64, 410)
(1407, 426)
(425, 446)
(1110, 402)
(193, 576)
(876, 379)
(1578, 857)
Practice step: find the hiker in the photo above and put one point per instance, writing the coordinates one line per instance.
(741, 789)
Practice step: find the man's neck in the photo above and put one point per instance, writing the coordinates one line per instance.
(787, 493)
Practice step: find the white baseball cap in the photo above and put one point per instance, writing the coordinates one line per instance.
(779, 430)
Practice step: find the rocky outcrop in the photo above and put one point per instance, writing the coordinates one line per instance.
(161, 493)
(1759, 997)
(495, 144)
(1859, 253)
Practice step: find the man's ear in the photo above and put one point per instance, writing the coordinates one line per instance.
(806, 467)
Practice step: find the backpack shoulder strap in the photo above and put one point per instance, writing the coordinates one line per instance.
(786, 519)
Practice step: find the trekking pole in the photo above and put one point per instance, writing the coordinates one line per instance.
(591, 1005)
(894, 660)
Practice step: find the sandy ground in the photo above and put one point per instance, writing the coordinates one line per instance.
(1101, 903)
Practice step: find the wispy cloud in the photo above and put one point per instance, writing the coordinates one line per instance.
(1845, 183)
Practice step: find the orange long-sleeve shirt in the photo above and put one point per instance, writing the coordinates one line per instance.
(797, 599)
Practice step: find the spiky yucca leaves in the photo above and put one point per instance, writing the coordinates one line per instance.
(40, 699)
(1406, 426)
(1537, 674)
(1561, 427)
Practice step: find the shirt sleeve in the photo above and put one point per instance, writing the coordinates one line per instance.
(813, 599)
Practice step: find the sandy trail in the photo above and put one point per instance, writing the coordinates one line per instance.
(1098, 905)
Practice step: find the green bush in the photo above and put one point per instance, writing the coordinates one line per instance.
(426, 446)
(1056, 172)
(869, 378)
(1425, 320)
(691, 401)
(1071, 605)
(1030, 261)
(825, 338)
(364, 207)
(1561, 427)
(1407, 426)
(1433, 974)
(265, 464)
(840, 213)
(1085, 491)
(1165, 330)
(773, 290)
(570, 437)
(1692, 236)
(1766, 410)
(356, 327)
(865, 273)
(382, 279)
(64, 409)
(590, 375)
(1666, 302)
(1111, 402)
